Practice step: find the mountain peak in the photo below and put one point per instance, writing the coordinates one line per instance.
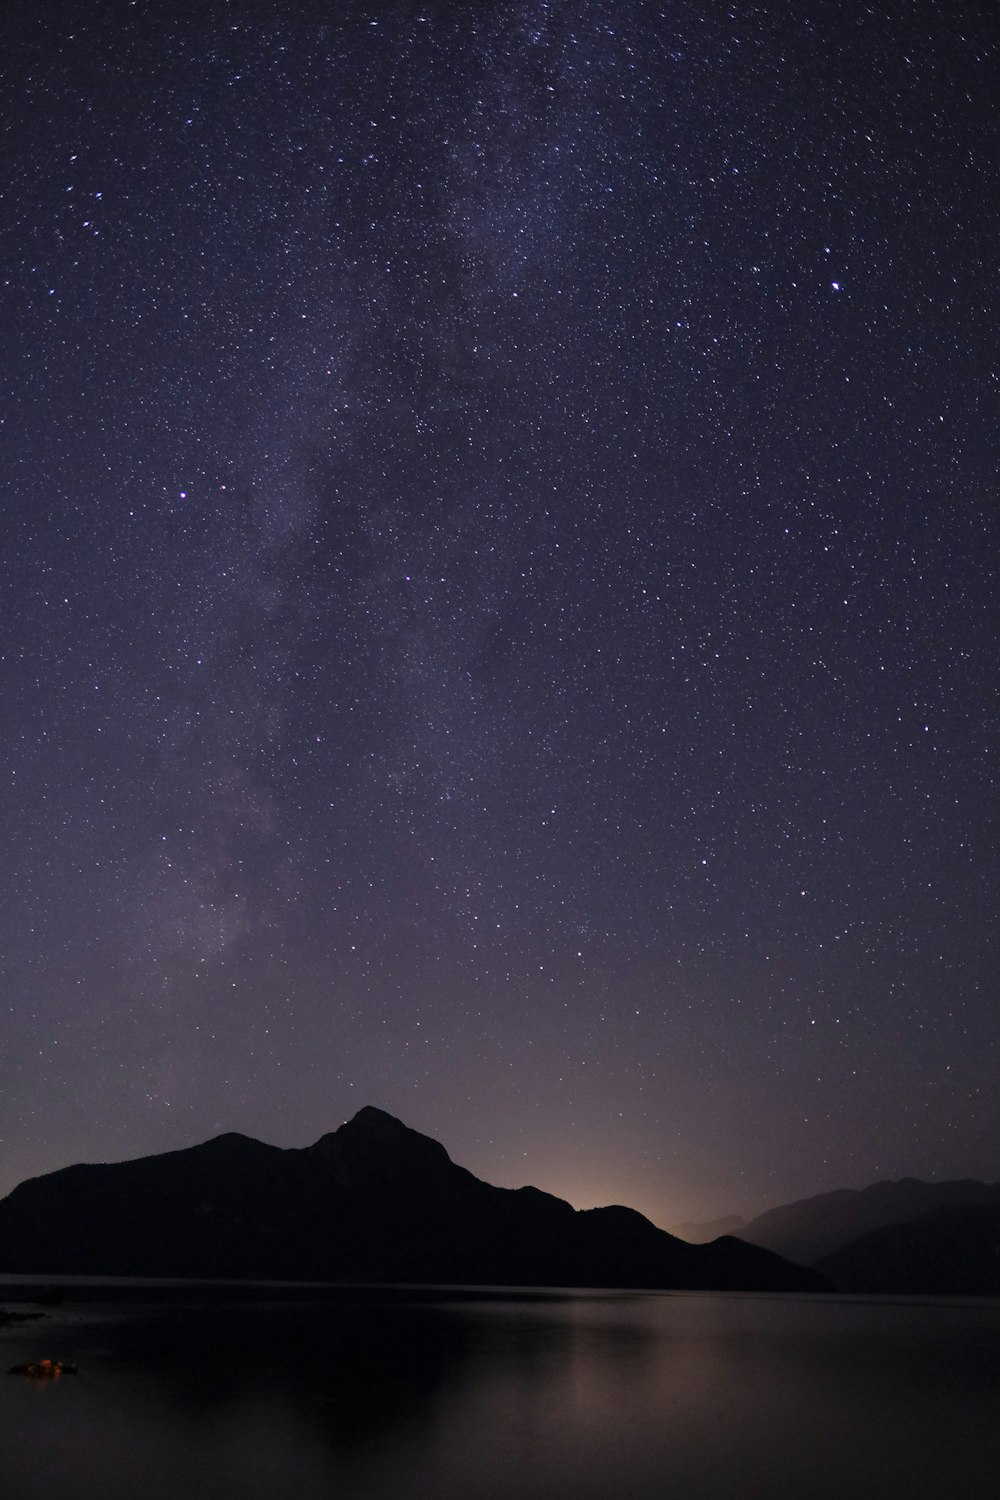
(371, 1115)
(373, 1144)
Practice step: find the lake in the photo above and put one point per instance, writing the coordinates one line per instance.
(196, 1393)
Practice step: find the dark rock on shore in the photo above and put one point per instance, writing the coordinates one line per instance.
(7, 1318)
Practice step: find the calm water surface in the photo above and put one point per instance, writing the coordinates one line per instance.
(429, 1397)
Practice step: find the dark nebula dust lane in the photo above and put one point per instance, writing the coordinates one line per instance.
(497, 580)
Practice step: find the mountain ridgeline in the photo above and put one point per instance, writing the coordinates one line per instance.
(371, 1202)
(949, 1251)
(816, 1227)
(905, 1238)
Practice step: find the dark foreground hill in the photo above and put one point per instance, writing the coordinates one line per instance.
(373, 1201)
(701, 1233)
(951, 1251)
(815, 1227)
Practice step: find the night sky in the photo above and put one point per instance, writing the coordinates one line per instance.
(499, 529)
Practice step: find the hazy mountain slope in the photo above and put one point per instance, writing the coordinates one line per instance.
(951, 1251)
(815, 1227)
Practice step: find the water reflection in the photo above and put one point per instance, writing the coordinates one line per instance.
(448, 1399)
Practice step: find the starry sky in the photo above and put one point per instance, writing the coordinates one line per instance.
(499, 526)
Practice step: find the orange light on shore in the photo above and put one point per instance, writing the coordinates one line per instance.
(43, 1369)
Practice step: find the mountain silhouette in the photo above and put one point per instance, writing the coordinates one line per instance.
(711, 1229)
(813, 1228)
(951, 1251)
(371, 1202)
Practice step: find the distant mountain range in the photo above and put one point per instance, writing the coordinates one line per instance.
(952, 1251)
(371, 1202)
(893, 1237)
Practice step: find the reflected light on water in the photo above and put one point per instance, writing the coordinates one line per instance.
(589, 1396)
